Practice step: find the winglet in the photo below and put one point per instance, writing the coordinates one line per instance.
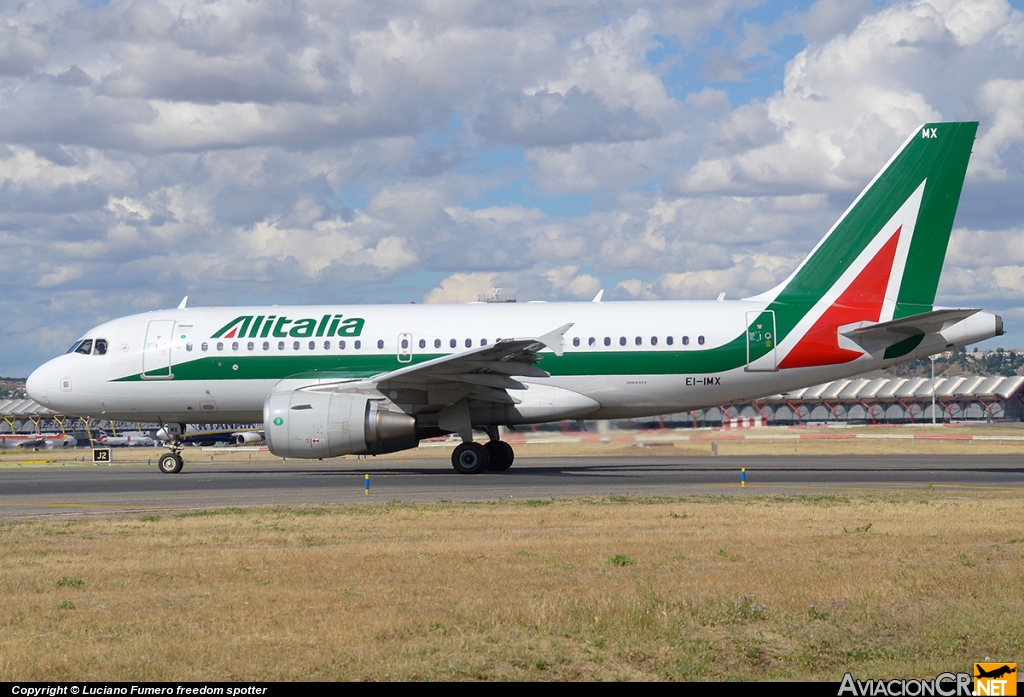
(553, 340)
(597, 298)
(183, 303)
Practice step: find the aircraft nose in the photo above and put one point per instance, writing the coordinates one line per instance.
(36, 384)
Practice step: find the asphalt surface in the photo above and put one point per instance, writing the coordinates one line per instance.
(87, 490)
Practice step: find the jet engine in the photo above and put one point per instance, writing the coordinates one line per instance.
(247, 437)
(315, 425)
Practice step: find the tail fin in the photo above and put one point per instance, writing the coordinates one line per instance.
(882, 259)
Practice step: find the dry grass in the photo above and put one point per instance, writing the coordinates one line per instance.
(636, 589)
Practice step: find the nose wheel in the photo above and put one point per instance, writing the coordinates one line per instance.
(170, 463)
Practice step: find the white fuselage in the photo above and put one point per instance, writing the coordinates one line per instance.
(620, 359)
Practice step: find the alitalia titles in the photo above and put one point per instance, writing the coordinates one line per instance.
(265, 326)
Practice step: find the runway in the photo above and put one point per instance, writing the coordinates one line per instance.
(86, 490)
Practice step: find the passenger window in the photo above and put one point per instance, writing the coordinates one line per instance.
(423, 343)
(686, 341)
(469, 342)
(204, 347)
(654, 341)
(639, 341)
(700, 340)
(86, 348)
(405, 343)
(380, 343)
(188, 346)
(357, 344)
(437, 343)
(453, 343)
(295, 345)
(266, 345)
(668, 340)
(607, 341)
(250, 346)
(483, 342)
(220, 345)
(280, 346)
(327, 345)
(100, 347)
(312, 345)
(622, 341)
(575, 341)
(234, 345)
(341, 345)
(591, 341)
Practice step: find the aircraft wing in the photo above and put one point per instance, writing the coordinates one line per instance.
(915, 325)
(485, 373)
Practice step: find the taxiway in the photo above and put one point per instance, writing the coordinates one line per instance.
(85, 490)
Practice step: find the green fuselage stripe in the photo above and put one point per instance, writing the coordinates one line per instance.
(347, 366)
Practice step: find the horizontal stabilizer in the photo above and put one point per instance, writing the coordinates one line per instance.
(914, 325)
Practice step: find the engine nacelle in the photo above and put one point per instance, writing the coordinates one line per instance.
(248, 437)
(315, 425)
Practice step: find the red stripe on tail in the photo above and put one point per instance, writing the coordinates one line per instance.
(860, 302)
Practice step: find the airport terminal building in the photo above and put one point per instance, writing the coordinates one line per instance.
(970, 398)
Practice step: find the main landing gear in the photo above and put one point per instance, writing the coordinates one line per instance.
(473, 458)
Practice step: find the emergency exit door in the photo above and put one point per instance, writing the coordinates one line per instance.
(156, 353)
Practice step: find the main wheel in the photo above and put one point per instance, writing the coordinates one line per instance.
(470, 458)
(501, 455)
(170, 463)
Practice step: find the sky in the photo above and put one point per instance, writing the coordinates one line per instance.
(323, 151)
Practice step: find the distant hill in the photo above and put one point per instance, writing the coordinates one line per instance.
(960, 362)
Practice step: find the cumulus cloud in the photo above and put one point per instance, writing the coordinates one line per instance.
(744, 276)
(292, 152)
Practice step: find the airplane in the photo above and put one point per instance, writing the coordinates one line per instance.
(131, 440)
(995, 672)
(37, 441)
(197, 436)
(332, 380)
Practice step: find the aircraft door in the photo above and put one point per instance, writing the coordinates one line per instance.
(404, 348)
(761, 342)
(156, 354)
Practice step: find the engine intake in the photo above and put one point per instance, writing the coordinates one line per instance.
(315, 425)
(247, 437)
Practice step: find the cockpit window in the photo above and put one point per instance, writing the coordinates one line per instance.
(73, 346)
(85, 348)
(99, 348)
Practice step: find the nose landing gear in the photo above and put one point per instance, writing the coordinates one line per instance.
(170, 463)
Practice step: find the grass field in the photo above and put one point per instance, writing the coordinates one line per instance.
(591, 589)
